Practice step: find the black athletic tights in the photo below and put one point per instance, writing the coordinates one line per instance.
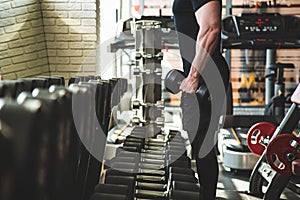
(196, 119)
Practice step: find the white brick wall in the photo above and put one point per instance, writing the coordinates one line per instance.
(54, 36)
(70, 30)
(22, 47)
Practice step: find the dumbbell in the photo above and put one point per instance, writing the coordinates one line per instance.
(100, 196)
(125, 164)
(126, 160)
(77, 79)
(136, 183)
(36, 82)
(126, 157)
(106, 190)
(107, 93)
(138, 144)
(153, 154)
(163, 164)
(141, 183)
(118, 88)
(146, 131)
(183, 194)
(94, 77)
(11, 88)
(174, 79)
(148, 183)
(183, 185)
(91, 101)
(54, 80)
(58, 126)
(142, 189)
(73, 80)
(128, 180)
(21, 146)
(115, 183)
(157, 181)
(115, 90)
(56, 138)
(80, 101)
(102, 95)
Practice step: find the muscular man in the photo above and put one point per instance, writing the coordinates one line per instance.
(200, 20)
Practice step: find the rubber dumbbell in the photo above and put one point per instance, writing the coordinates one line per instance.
(180, 189)
(11, 88)
(123, 163)
(185, 186)
(112, 189)
(181, 194)
(100, 196)
(179, 161)
(41, 83)
(153, 156)
(136, 185)
(53, 80)
(150, 178)
(181, 177)
(122, 180)
(115, 172)
(148, 194)
(150, 186)
(173, 80)
(138, 145)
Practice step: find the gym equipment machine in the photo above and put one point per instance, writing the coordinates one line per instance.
(262, 31)
(278, 165)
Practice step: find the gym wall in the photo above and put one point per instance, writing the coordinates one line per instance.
(22, 41)
(48, 37)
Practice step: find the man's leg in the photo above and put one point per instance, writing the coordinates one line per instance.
(196, 118)
(208, 172)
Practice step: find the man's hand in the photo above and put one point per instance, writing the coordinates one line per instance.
(191, 83)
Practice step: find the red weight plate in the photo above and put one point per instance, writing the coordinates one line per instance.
(257, 133)
(281, 152)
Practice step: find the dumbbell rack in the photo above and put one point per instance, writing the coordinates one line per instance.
(57, 135)
(154, 167)
(151, 161)
(147, 103)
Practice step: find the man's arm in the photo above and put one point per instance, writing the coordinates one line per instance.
(209, 20)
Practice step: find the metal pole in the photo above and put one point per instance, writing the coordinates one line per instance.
(228, 12)
(228, 7)
(142, 3)
(269, 90)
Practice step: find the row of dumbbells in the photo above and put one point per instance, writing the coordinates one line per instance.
(118, 85)
(149, 168)
(41, 142)
(12, 88)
